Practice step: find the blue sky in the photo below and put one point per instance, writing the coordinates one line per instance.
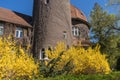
(22, 6)
(25, 6)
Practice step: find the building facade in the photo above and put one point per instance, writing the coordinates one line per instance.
(52, 21)
(52, 24)
(16, 25)
(80, 28)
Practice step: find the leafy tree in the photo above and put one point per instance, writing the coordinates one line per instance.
(116, 5)
(114, 2)
(105, 32)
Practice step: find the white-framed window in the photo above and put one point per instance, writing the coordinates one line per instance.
(75, 31)
(19, 32)
(42, 54)
(1, 28)
(64, 34)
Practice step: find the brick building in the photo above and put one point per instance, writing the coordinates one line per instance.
(52, 21)
(15, 24)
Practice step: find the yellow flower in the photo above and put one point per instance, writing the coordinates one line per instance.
(14, 61)
(88, 61)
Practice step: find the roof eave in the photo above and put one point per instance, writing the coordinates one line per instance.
(30, 26)
(87, 23)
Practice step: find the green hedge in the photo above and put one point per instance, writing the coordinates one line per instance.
(111, 76)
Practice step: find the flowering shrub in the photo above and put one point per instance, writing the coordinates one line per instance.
(14, 61)
(47, 68)
(88, 61)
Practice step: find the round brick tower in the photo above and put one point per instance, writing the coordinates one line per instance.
(51, 24)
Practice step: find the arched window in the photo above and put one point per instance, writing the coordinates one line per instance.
(49, 48)
(75, 31)
(46, 1)
(42, 54)
(64, 34)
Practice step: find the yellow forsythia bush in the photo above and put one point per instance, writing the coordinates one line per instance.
(14, 62)
(89, 61)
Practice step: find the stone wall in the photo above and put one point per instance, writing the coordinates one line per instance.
(51, 22)
(9, 30)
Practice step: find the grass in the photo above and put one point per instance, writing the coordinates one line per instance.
(111, 76)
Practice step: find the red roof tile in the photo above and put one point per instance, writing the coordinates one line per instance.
(12, 17)
(77, 13)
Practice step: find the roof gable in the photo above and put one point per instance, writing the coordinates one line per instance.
(12, 17)
(77, 13)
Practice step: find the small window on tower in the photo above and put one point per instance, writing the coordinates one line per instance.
(46, 1)
(64, 34)
(42, 54)
(75, 31)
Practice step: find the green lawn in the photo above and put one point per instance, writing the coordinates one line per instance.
(111, 76)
